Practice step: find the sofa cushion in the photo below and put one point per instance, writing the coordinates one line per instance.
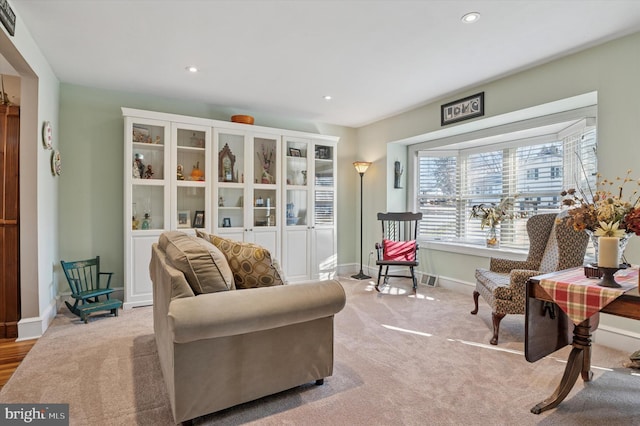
(250, 263)
(202, 263)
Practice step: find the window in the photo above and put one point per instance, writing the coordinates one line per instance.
(532, 170)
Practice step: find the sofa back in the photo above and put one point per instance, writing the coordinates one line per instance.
(174, 283)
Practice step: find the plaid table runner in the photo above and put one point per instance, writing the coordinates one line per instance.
(581, 297)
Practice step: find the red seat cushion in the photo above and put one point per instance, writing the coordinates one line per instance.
(404, 251)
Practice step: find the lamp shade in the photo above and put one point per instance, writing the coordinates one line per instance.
(361, 166)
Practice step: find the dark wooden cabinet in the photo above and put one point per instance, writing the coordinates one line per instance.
(9, 221)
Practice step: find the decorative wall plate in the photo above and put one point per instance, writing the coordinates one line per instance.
(47, 134)
(56, 163)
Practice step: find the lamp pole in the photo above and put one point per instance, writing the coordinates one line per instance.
(361, 168)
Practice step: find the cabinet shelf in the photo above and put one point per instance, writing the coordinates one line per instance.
(190, 149)
(148, 146)
(147, 182)
(191, 183)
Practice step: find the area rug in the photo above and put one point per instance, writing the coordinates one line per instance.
(400, 359)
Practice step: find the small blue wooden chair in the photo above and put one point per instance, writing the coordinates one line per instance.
(89, 289)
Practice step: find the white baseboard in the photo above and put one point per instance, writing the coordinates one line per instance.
(617, 338)
(33, 328)
(456, 285)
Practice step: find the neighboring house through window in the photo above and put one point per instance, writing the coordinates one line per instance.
(533, 165)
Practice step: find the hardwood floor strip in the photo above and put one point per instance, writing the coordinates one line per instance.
(11, 355)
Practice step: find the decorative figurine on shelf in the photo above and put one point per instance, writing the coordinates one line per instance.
(265, 160)
(146, 222)
(220, 202)
(180, 173)
(196, 173)
(135, 223)
(158, 141)
(304, 177)
(138, 166)
(148, 173)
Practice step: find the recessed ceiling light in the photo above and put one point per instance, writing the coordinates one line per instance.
(192, 68)
(470, 17)
(327, 97)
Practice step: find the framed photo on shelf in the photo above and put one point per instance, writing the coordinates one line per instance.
(184, 219)
(198, 219)
(294, 152)
(323, 152)
(226, 222)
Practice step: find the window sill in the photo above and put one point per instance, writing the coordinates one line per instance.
(473, 250)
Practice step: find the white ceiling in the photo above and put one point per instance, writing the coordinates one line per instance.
(376, 58)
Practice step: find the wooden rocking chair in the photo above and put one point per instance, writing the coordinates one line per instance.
(90, 293)
(399, 246)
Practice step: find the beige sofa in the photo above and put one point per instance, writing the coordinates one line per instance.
(224, 348)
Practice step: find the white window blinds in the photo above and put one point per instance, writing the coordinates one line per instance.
(533, 171)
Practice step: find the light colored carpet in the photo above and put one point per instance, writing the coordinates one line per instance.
(399, 360)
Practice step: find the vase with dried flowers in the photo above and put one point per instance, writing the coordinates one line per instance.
(605, 211)
(491, 215)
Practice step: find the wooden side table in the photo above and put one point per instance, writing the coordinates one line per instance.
(548, 328)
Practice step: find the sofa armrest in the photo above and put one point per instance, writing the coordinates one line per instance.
(244, 311)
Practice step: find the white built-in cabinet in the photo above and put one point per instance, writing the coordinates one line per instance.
(272, 187)
(309, 237)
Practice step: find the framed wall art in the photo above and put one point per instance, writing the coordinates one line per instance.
(462, 109)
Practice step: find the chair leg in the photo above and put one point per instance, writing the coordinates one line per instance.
(413, 277)
(73, 308)
(496, 326)
(379, 274)
(476, 294)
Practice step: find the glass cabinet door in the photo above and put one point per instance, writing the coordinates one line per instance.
(191, 170)
(297, 182)
(148, 163)
(231, 161)
(229, 152)
(265, 181)
(324, 193)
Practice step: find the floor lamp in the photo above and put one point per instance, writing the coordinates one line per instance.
(361, 167)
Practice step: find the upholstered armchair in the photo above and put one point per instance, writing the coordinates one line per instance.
(553, 246)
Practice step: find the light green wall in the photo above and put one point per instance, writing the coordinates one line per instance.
(91, 185)
(612, 69)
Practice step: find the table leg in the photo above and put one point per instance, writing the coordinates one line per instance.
(579, 362)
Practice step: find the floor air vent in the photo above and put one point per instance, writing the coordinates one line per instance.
(429, 280)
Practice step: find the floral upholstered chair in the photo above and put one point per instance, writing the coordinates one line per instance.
(553, 246)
